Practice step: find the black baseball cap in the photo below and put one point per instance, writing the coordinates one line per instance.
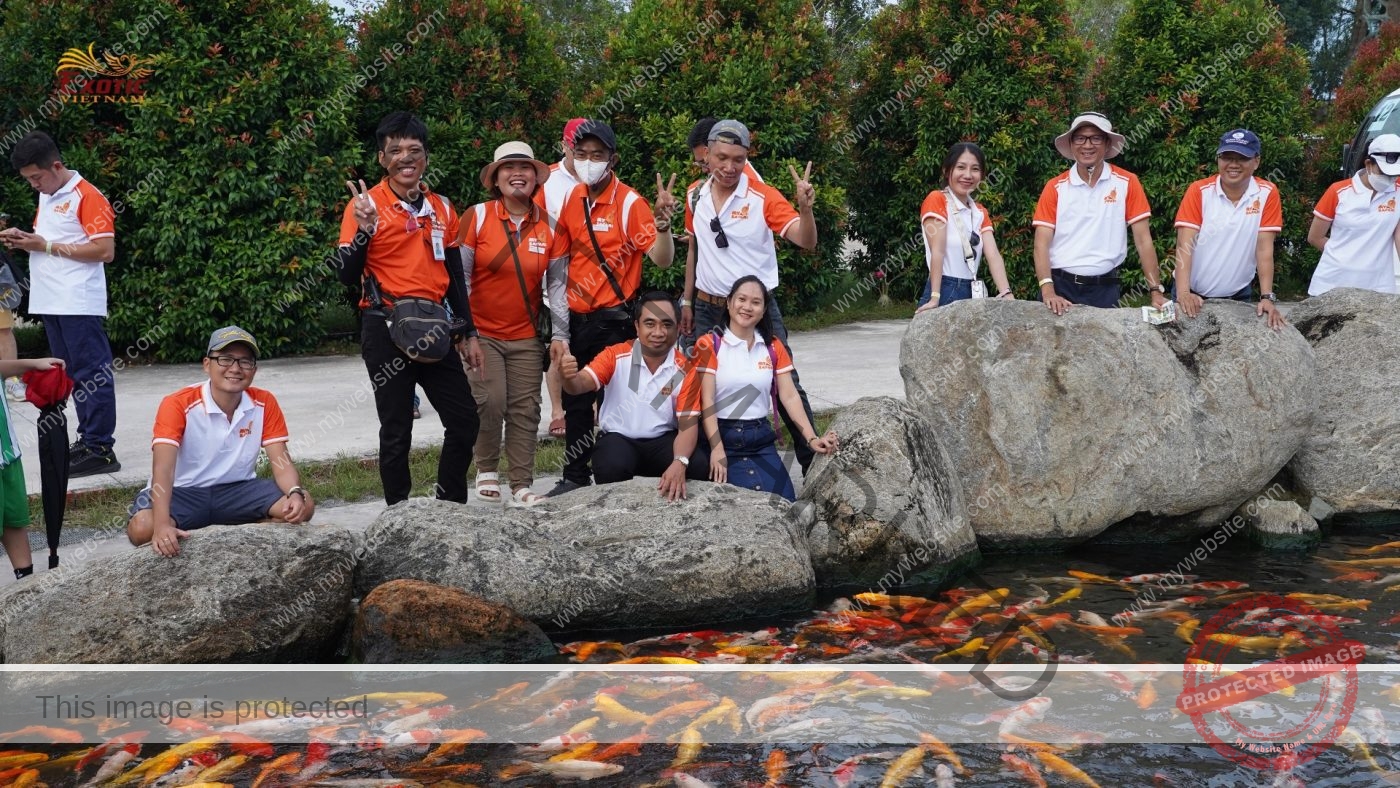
(597, 128)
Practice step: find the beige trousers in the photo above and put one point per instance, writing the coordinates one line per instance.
(510, 396)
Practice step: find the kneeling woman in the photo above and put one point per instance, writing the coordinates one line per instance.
(745, 373)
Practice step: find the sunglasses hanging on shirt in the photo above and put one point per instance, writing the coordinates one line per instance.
(721, 242)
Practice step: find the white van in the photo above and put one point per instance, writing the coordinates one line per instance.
(1384, 118)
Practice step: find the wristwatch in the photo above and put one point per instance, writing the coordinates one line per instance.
(1159, 288)
(685, 302)
(297, 490)
(1268, 296)
(683, 461)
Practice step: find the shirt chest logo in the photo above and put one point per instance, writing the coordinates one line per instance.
(601, 224)
(244, 432)
(765, 363)
(62, 208)
(1112, 197)
(537, 246)
(1254, 208)
(666, 390)
(1387, 206)
(742, 213)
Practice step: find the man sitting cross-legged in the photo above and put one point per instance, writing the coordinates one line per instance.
(205, 448)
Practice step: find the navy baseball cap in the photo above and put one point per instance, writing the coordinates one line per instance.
(598, 129)
(1241, 141)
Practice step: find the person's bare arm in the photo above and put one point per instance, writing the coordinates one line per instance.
(165, 537)
(1147, 257)
(97, 250)
(936, 234)
(297, 507)
(1264, 261)
(1317, 232)
(1185, 251)
(1041, 254)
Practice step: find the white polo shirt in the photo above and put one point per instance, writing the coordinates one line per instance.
(1090, 222)
(965, 219)
(749, 217)
(556, 190)
(75, 214)
(1223, 261)
(637, 402)
(743, 373)
(212, 448)
(1361, 248)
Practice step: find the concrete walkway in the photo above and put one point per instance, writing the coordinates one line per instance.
(330, 411)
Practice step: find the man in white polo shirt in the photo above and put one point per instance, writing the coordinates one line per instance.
(1356, 225)
(1225, 231)
(205, 450)
(732, 219)
(74, 238)
(1082, 218)
(649, 421)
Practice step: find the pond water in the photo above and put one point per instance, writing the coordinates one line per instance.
(881, 691)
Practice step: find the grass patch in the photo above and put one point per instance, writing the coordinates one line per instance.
(341, 480)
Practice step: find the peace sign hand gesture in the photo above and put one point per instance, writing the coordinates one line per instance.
(665, 202)
(366, 214)
(803, 190)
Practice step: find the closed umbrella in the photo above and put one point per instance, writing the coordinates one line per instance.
(48, 390)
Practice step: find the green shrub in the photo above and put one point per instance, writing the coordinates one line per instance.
(767, 64)
(478, 72)
(1002, 73)
(1181, 74)
(226, 179)
(1372, 75)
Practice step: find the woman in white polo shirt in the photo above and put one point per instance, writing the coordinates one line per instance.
(1361, 213)
(744, 371)
(957, 227)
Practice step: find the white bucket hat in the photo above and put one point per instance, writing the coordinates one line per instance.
(514, 151)
(1098, 121)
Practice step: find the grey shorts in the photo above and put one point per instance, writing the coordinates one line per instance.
(230, 503)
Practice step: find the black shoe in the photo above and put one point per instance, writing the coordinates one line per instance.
(564, 486)
(88, 461)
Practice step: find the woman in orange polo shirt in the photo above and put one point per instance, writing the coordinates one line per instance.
(745, 372)
(506, 246)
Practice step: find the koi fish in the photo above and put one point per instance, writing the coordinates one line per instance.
(581, 751)
(936, 746)
(199, 762)
(1147, 696)
(726, 710)
(419, 720)
(1354, 742)
(971, 647)
(1330, 601)
(1216, 586)
(286, 764)
(684, 780)
(1380, 548)
(577, 770)
(894, 601)
(1024, 768)
(222, 769)
(942, 776)
(1257, 643)
(1064, 768)
(1047, 655)
(628, 746)
(690, 746)
(993, 597)
(114, 764)
(618, 713)
(903, 767)
(506, 692)
(558, 743)
(399, 698)
(555, 715)
(1157, 577)
(845, 773)
(44, 733)
(1089, 577)
(1187, 630)
(1067, 596)
(1031, 711)
(1369, 563)
(21, 759)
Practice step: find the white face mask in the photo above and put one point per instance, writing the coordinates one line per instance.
(590, 172)
(1381, 182)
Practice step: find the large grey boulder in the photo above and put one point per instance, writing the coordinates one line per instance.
(887, 509)
(1351, 457)
(244, 593)
(607, 556)
(1061, 427)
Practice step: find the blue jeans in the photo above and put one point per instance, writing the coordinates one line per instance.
(753, 462)
(81, 342)
(1104, 293)
(707, 317)
(950, 289)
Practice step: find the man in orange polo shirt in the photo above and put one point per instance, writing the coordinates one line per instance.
(607, 227)
(400, 240)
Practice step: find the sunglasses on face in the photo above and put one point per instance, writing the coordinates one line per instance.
(721, 242)
(1388, 158)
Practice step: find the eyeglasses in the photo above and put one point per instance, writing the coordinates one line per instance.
(228, 361)
(720, 241)
(1088, 139)
(597, 155)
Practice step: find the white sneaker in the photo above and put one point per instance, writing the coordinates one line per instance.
(14, 389)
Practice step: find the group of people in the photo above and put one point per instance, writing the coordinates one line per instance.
(543, 281)
(1226, 226)
(547, 275)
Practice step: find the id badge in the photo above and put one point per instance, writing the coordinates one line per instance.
(979, 289)
(439, 251)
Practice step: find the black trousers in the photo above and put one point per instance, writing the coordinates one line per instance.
(394, 376)
(617, 458)
(588, 336)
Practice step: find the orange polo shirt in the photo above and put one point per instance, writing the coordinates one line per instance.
(400, 253)
(625, 227)
(498, 306)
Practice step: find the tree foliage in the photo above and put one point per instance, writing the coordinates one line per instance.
(1372, 75)
(581, 29)
(1002, 73)
(1181, 74)
(767, 64)
(225, 178)
(479, 73)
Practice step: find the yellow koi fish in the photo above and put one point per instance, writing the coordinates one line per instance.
(903, 767)
(941, 750)
(966, 650)
(1064, 768)
(970, 606)
(616, 712)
